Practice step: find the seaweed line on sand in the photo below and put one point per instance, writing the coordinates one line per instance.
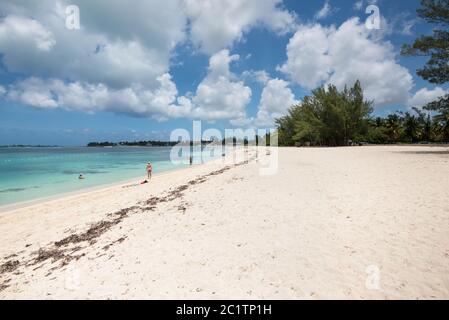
(62, 250)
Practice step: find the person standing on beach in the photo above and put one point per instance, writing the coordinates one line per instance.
(149, 169)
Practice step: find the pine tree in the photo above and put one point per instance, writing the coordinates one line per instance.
(436, 47)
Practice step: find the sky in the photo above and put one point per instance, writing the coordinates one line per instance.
(137, 70)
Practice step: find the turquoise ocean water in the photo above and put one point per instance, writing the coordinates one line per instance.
(32, 173)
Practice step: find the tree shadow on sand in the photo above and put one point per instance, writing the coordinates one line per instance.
(436, 152)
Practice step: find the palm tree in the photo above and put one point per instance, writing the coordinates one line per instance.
(393, 125)
(442, 120)
(412, 127)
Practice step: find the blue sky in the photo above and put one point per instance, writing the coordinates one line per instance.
(138, 72)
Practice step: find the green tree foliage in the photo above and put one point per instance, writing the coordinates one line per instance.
(330, 117)
(412, 128)
(436, 47)
(442, 124)
(393, 125)
(327, 117)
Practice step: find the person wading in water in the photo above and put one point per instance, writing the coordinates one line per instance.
(149, 169)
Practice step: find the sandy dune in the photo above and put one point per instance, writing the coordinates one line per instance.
(361, 222)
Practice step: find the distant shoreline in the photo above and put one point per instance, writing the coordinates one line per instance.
(66, 147)
(430, 144)
(29, 146)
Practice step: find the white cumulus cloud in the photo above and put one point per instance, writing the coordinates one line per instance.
(54, 93)
(216, 24)
(112, 47)
(424, 96)
(26, 32)
(318, 54)
(120, 58)
(275, 100)
(220, 95)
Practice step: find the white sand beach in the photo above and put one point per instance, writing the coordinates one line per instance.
(354, 223)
